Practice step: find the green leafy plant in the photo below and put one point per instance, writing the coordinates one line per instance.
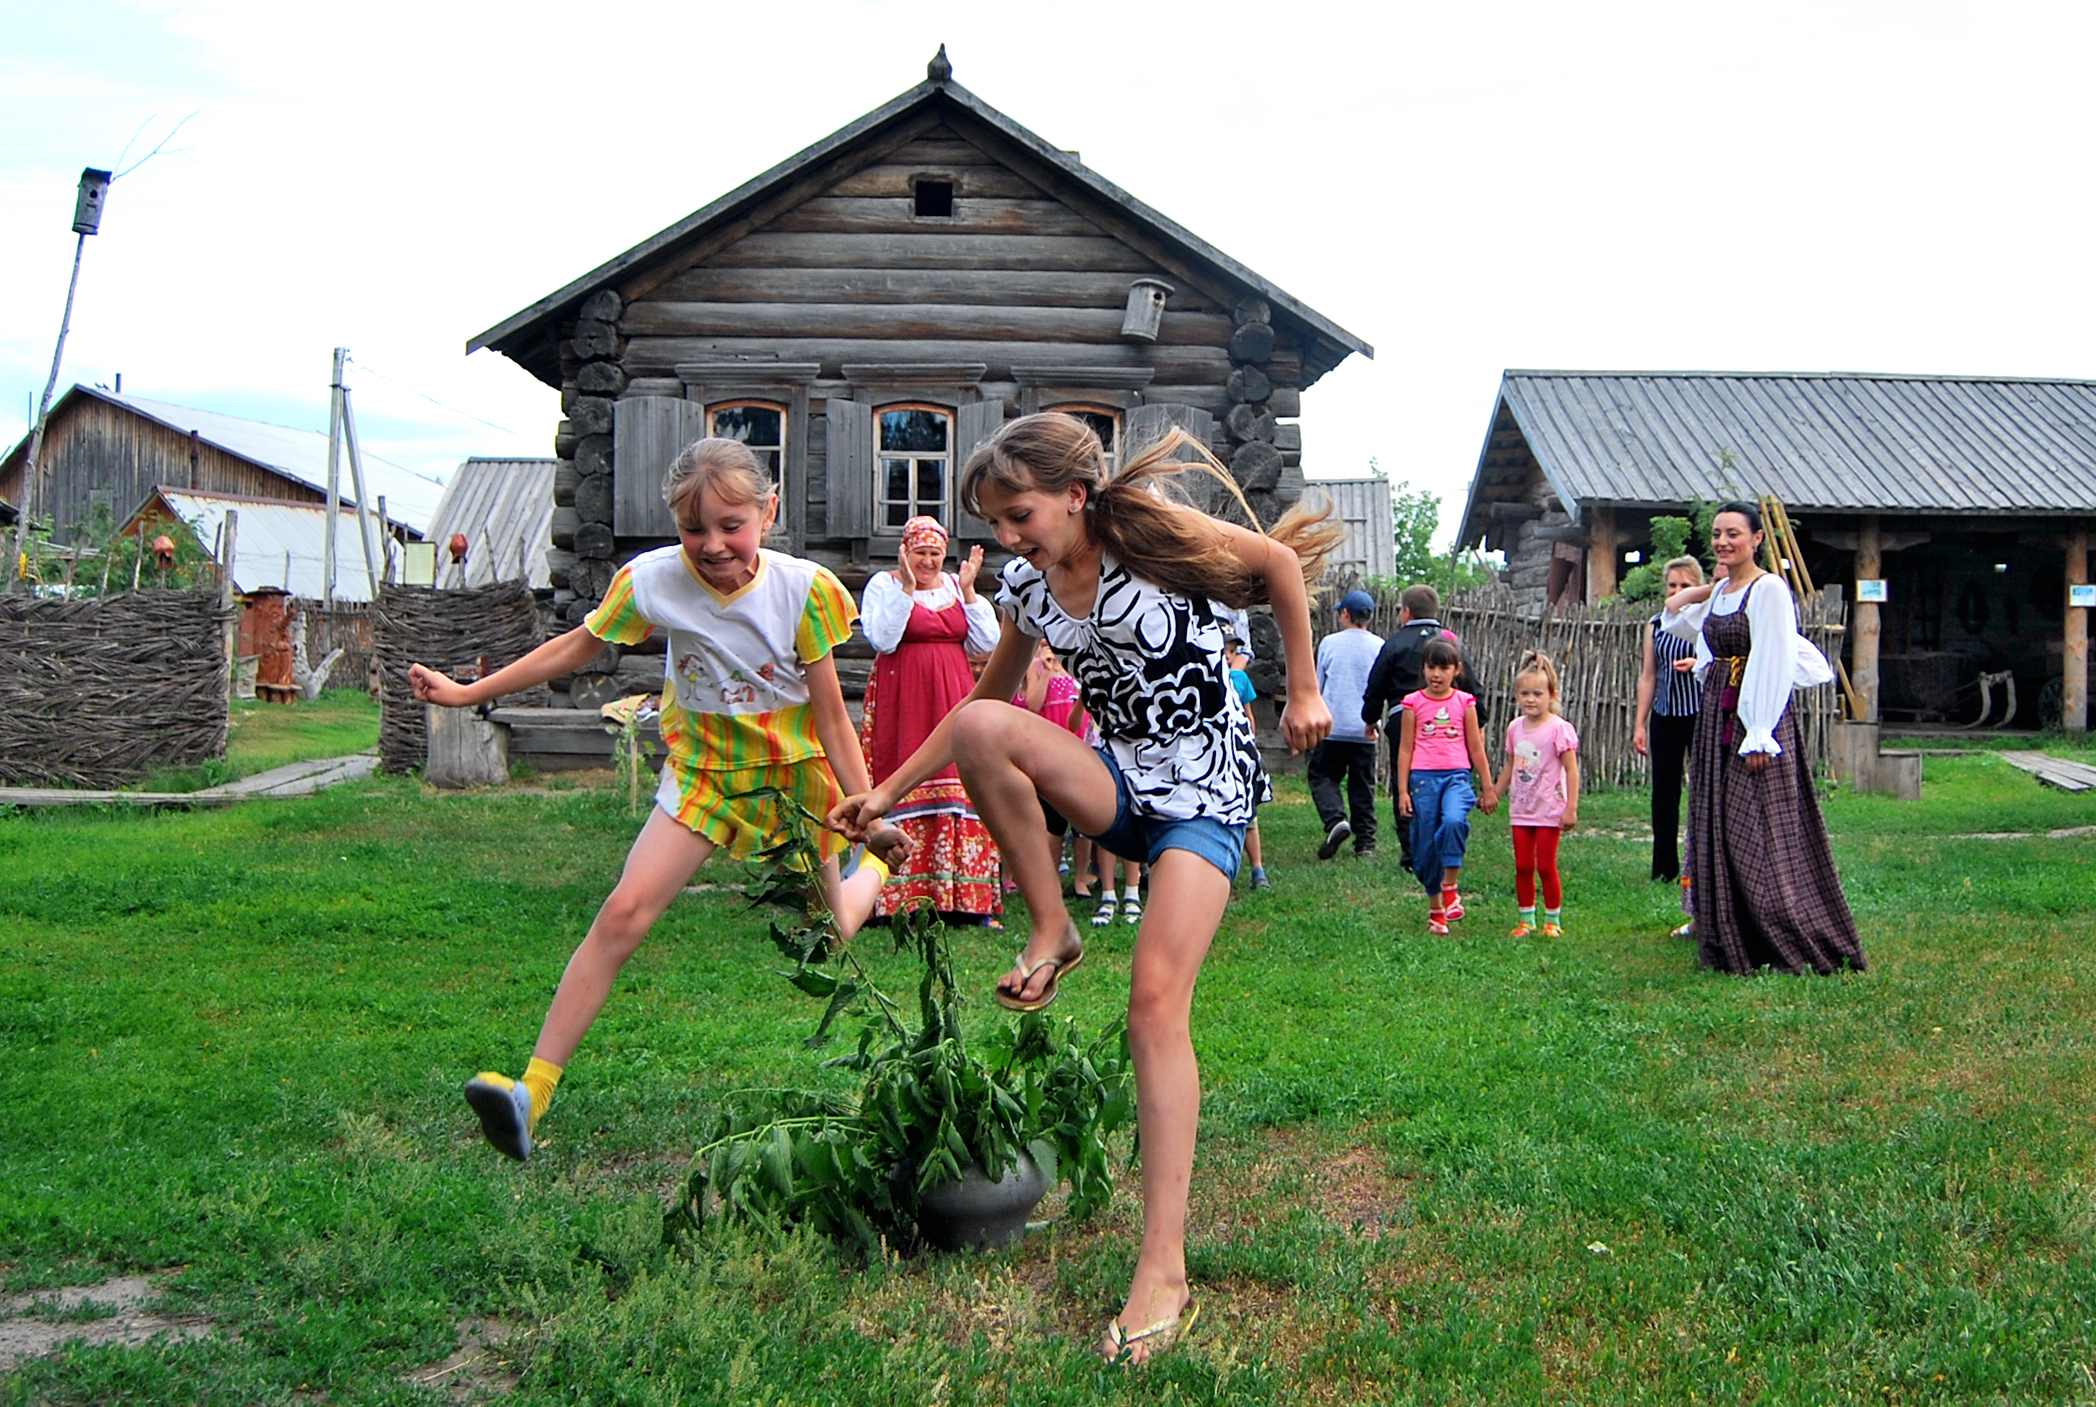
(929, 1103)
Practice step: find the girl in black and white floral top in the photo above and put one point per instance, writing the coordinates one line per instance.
(1123, 580)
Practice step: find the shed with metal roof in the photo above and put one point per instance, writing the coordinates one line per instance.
(503, 508)
(1969, 499)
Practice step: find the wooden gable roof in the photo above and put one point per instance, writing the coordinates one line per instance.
(937, 108)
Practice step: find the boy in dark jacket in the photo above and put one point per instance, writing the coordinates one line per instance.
(1396, 673)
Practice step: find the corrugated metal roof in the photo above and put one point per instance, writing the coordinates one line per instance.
(411, 498)
(1836, 440)
(1363, 505)
(280, 544)
(505, 509)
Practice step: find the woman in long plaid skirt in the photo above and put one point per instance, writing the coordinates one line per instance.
(1766, 894)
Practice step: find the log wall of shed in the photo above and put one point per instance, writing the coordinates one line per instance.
(96, 447)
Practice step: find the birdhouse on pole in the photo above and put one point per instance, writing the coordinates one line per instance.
(87, 211)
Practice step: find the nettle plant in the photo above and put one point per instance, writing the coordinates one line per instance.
(929, 1103)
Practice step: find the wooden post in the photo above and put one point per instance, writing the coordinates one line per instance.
(465, 750)
(334, 485)
(1601, 553)
(356, 476)
(2074, 696)
(229, 536)
(1863, 649)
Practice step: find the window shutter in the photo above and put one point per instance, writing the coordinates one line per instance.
(849, 468)
(1145, 425)
(646, 434)
(973, 424)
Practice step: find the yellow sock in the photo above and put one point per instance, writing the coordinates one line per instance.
(540, 1076)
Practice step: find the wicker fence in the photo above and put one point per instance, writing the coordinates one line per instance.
(1598, 651)
(101, 691)
(455, 631)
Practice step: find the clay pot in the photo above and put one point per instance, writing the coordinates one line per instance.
(976, 1214)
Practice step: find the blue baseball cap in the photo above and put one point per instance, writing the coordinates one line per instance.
(1357, 604)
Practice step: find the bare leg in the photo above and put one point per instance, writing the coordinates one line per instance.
(1081, 867)
(661, 863)
(1007, 757)
(1187, 897)
(1252, 845)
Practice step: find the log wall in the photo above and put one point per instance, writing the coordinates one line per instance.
(847, 275)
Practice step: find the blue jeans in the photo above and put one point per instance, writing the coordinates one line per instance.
(1137, 837)
(1441, 803)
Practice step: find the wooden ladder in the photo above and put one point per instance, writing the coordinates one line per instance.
(1786, 559)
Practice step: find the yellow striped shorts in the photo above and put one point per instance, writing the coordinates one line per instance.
(716, 804)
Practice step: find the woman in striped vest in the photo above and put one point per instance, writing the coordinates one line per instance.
(1668, 698)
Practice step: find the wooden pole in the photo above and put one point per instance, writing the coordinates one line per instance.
(1601, 553)
(356, 476)
(1870, 566)
(2074, 695)
(228, 537)
(334, 484)
(30, 468)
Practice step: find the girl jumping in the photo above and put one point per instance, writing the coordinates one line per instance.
(1120, 579)
(1541, 782)
(750, 702)
(1438, 747)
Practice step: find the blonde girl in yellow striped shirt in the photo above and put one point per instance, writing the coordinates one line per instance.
(750, 701)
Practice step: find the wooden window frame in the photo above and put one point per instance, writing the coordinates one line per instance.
(1113, 413)
(781, 531)
(947, 507)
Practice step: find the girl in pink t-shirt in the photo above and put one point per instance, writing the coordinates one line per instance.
(1541, 778)
(1437, 749)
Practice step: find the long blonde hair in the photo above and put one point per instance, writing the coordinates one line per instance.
(723, 465)
(1141, 515)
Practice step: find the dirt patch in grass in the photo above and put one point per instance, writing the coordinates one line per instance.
(113, 1311)
(485, 1364)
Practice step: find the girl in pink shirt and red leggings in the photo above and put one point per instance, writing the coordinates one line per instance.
(1541, 780)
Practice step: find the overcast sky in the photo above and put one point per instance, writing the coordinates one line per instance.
(1755, 186)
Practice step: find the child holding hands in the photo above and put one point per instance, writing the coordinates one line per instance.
(1541, 781)
(1439, 747)
(750, 702)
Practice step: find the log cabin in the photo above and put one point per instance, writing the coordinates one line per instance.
(868, 311)
(1967, 501)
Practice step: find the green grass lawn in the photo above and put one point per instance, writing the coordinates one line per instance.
(1450, 1170)
(260, 736)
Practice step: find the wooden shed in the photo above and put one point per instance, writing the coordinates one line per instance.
(865, 313)
(108, 451)
(1967, 500)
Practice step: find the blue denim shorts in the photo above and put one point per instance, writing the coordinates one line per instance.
(1146, 837)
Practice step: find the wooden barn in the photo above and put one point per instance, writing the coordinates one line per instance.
(867, 312)
(1967, 500)
(110, 451)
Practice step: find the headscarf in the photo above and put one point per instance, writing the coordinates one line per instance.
(921, 531)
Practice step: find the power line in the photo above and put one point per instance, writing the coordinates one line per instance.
(367, 366)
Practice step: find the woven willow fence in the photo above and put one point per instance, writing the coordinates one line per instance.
(99, 692)
(1598, 650)
(455, 631)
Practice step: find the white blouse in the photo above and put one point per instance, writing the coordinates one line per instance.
(886, 611)
(1764, 689)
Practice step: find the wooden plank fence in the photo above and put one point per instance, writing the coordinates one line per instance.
(1597, 650)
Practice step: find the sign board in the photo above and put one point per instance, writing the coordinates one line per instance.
(2081, 595)
(1870, 590)
(418, 564)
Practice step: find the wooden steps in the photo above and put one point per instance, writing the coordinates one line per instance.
(2054, 771)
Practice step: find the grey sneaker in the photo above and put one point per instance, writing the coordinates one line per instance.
(1334, 838)
(504, 1106)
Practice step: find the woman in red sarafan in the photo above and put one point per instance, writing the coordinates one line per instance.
(924, 621)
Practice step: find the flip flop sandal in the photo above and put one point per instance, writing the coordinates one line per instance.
(1011, 1001)
(1118, 1346)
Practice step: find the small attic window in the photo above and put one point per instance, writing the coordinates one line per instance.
(933, 197)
